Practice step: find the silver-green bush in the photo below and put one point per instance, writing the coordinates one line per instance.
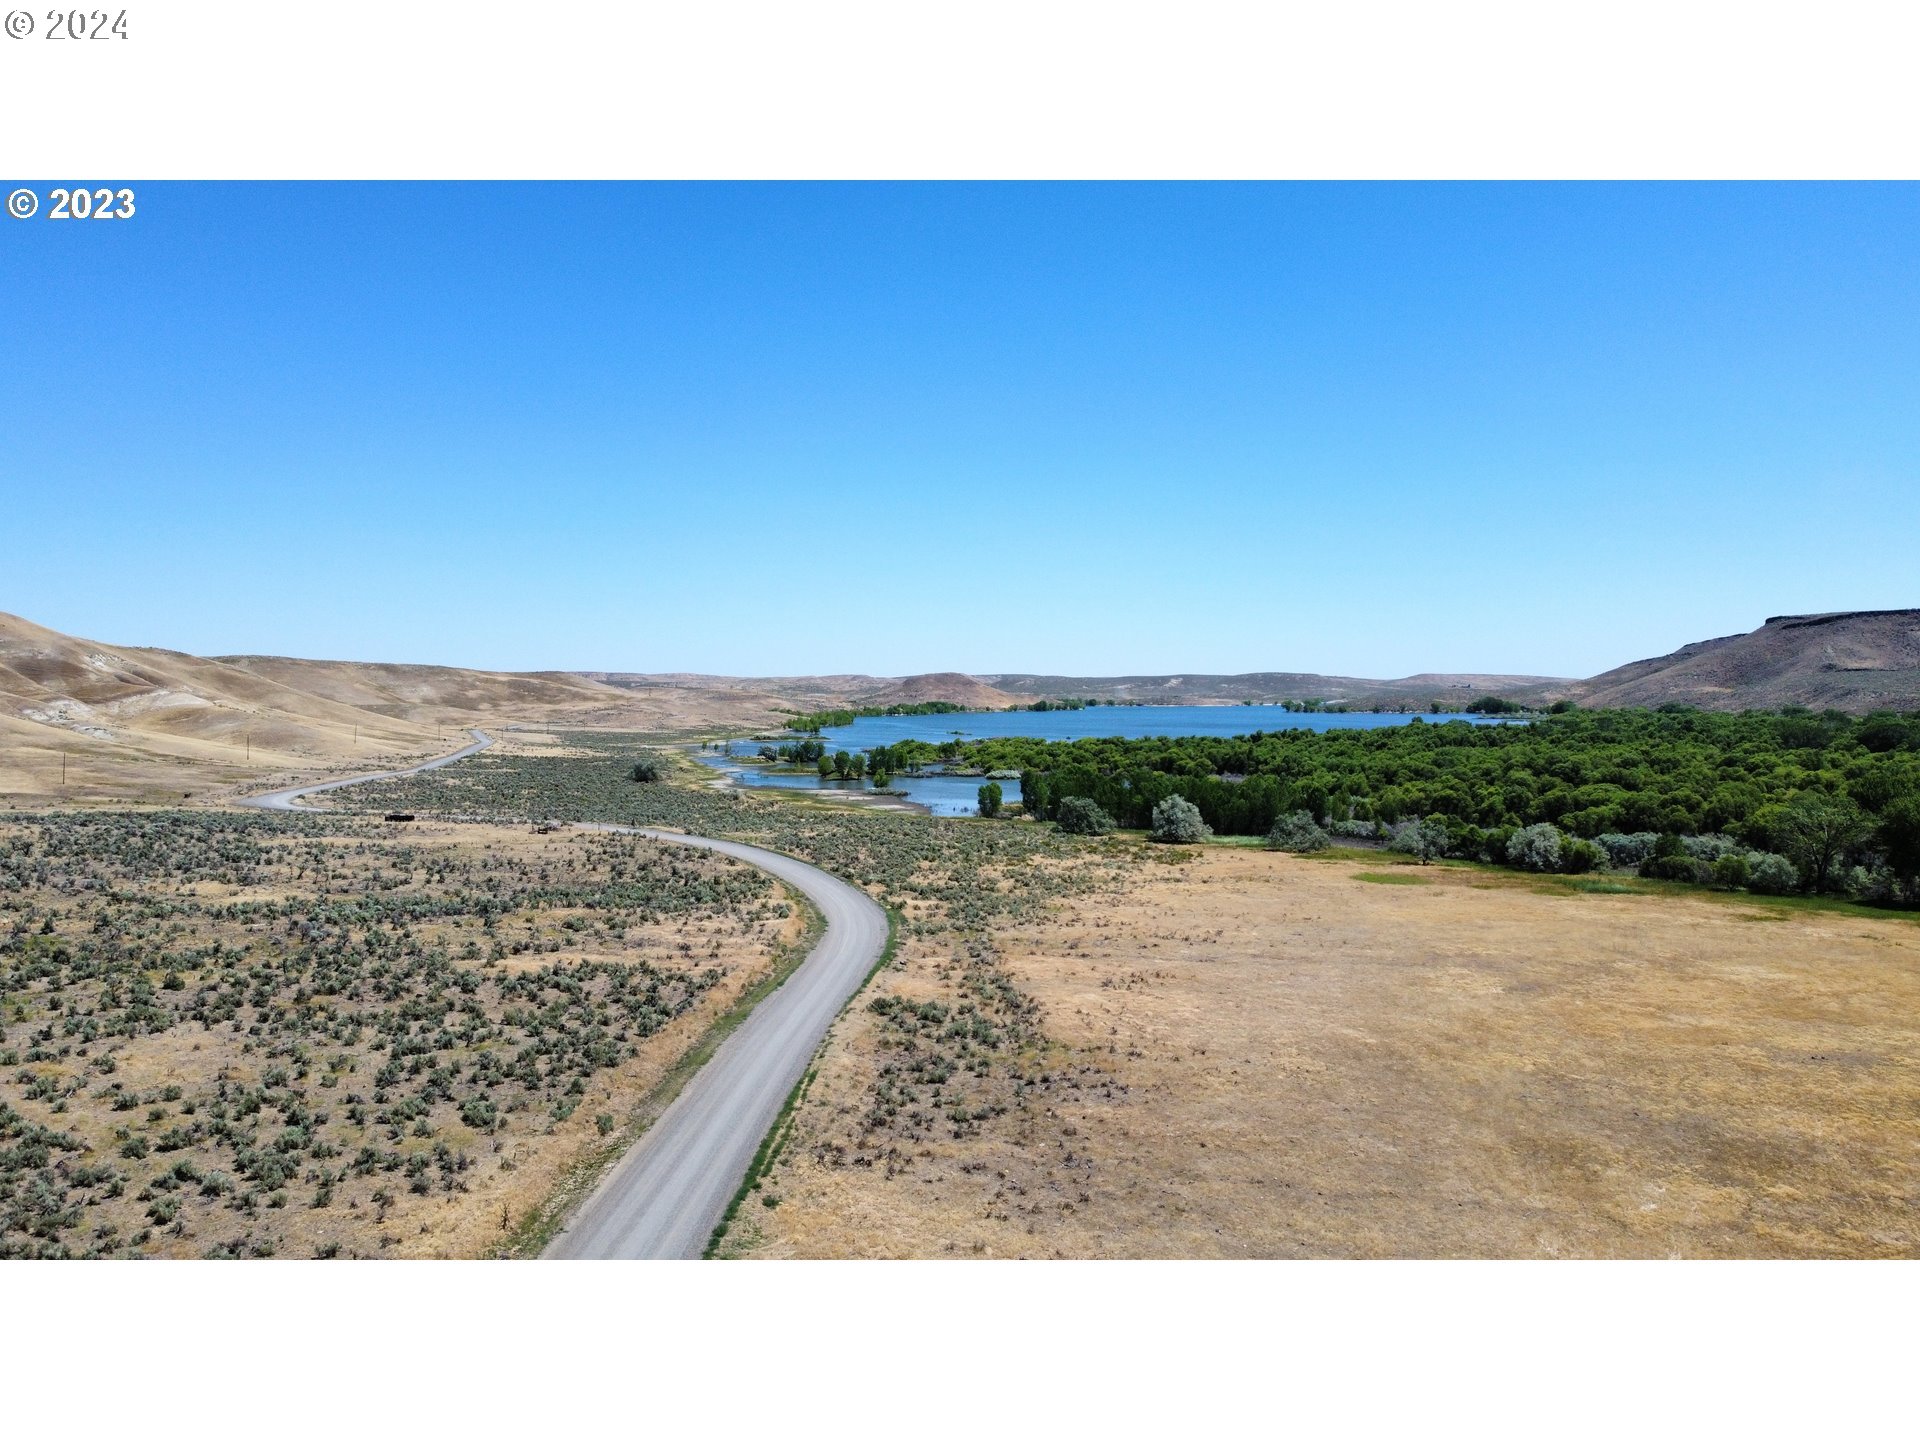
(1535, 847)
(1297, 832)
(1176, 821)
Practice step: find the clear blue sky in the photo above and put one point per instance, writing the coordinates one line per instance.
(1078, 429)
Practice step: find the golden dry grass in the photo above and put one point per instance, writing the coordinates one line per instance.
(1258, 1055)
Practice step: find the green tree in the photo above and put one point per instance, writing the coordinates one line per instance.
(1816, 831)
(990, 797)
(1899, 836)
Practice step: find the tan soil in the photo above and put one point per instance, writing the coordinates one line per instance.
(1261, 1055)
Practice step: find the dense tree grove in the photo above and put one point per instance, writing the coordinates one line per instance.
(1827, 791)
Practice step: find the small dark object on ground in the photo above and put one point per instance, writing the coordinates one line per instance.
(398, 815)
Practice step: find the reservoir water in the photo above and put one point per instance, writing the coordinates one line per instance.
(958, 794)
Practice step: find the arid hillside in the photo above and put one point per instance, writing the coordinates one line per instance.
(137, 723)
(86, 720)
(1854, 660)
(774, 695)
(81, 719)
(950, 686)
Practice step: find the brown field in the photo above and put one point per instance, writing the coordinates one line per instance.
(292, 1077)
(1257, 1055)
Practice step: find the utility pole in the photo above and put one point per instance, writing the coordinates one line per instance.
(63, 769)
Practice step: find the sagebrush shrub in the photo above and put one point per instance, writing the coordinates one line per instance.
(1176, 821)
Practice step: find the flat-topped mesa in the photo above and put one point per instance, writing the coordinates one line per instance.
(1836, 617)
(1852, 660)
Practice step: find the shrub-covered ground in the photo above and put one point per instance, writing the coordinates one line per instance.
(969, 1055)
(961, 876)
(253, 1034)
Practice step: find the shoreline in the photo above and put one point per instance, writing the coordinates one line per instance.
(726, 779)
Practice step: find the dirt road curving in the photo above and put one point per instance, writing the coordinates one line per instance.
(666, 1196)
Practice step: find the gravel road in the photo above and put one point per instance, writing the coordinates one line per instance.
(664, 1198)
(285, 799)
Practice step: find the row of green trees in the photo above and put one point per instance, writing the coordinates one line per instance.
(1759, 779)
(801, 752)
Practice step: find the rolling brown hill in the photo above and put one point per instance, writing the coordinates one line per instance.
(147, 723)
(137, 723)
(947, 685)
(778, 694)
(1854, 660)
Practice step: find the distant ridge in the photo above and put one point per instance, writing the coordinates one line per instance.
(948, 685)
(1853, 660)
(1270, 686)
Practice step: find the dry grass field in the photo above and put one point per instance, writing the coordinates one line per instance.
(1250, 1054)
(288, 1035)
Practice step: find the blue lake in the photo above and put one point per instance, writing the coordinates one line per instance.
(958, 794)
(1125, 722)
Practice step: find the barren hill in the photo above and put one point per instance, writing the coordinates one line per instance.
(947, 685)
(1856, 660)
(130, 722)
(138, 721)
(778, 694)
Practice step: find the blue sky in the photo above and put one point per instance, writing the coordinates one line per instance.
(1076, 429)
